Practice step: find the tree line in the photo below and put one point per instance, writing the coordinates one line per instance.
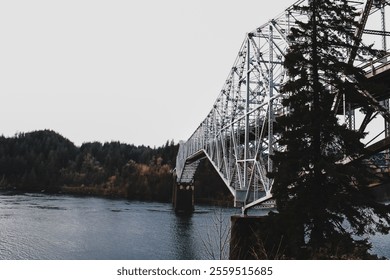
(46, 161)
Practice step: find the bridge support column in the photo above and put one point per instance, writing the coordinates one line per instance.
(246, 241)
(183, 198)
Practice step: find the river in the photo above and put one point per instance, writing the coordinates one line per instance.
(48, 227)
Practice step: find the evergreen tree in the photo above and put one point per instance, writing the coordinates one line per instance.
(322, 201)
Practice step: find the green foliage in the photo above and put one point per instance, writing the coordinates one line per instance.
(44, 160)
(322, 202)
(35, 158)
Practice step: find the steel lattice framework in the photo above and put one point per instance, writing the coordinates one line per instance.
(237, 136)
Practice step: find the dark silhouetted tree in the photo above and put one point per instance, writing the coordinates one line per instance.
(322, 201)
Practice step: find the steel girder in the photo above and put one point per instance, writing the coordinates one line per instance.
(237, 136)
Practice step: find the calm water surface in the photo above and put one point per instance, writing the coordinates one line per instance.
(40, 226)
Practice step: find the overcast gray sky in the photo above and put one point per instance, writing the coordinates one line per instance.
(135, 71)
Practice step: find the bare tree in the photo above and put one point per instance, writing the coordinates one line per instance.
(217, 238)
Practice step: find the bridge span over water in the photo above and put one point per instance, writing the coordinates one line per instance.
(237, 136)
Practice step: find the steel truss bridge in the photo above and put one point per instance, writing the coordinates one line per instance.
(237, 136)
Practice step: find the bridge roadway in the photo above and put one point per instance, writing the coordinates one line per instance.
(379, 71)
(238, 135)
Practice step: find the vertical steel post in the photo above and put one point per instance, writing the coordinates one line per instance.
(384, 47)
(386, 102)
(246, 143)
(270, 104)
(351, 117)
(349, 114)
(383, 20)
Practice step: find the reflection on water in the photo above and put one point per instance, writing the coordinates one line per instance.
(182, 231)
(40, 226)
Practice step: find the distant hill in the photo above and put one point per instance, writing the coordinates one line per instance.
(46, 161)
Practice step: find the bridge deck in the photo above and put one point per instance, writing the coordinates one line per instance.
(379, 146)
(381, 75)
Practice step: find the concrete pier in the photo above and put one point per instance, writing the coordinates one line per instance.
(183, 198)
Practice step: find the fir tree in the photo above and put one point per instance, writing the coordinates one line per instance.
(322, 201)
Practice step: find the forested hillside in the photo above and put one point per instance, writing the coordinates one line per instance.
(46, 161)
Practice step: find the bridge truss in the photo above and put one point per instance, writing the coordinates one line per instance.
(237, 136)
